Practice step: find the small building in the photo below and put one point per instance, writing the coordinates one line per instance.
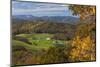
(47, 38)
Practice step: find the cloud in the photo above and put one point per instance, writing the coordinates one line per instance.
(39, 9)
(20, 4)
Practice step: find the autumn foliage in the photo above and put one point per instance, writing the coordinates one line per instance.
(83, 44)
(83, 49)
(83, 11)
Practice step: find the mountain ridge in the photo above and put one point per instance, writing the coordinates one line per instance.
(59, 19)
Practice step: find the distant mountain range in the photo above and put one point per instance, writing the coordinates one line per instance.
(59, 19)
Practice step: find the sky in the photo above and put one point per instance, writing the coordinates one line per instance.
(40, 9)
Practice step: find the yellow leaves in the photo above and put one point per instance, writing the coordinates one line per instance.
(93, 10)
(75, 41)
(87, 43)
(83, 49)
(83, 45)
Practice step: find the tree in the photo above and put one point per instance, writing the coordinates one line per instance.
(54, 55)
(83, 50)
(83, 46)
(84, 11)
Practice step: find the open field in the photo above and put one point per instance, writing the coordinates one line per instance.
(38, 41)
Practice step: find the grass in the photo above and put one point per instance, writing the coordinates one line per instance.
(37, 36)
(38, 41)
(16, 43)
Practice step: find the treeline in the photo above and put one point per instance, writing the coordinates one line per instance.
(41, 27)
